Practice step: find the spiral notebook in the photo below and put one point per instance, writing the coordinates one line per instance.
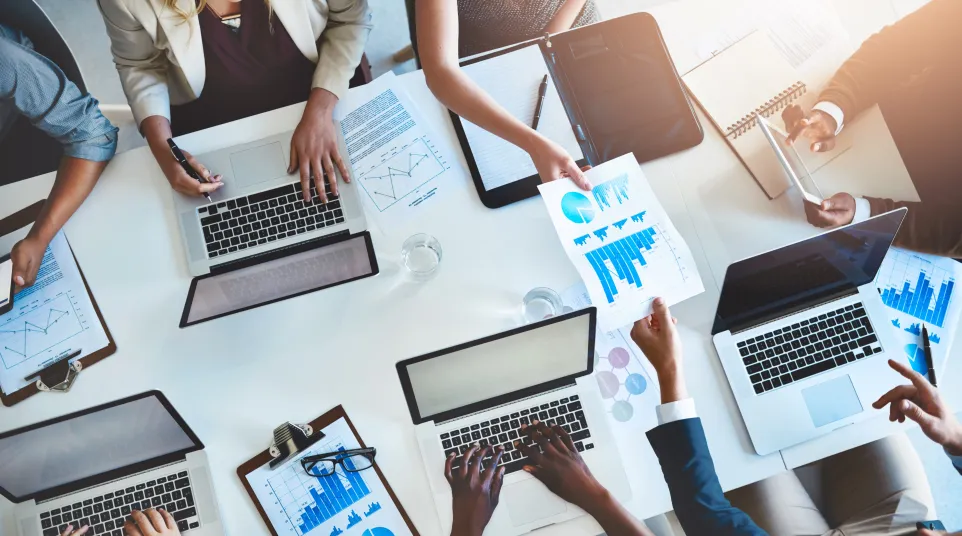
(749, 79)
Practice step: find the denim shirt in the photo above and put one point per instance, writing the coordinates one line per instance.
(34, 87)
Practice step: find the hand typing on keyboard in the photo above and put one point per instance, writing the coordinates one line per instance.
(151, 522)
(71, 531)
(476, 489)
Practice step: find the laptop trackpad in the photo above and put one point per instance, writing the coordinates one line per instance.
(529, 501)
(832, 401)
(258, 164)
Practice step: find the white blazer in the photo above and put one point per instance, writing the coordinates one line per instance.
(160, 57)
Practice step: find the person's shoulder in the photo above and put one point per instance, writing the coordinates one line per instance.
(15, 36)
(126, 14)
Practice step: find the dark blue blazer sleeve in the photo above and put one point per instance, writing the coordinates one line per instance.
(697, 496)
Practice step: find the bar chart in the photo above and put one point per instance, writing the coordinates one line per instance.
(622, 255)
(921, 300)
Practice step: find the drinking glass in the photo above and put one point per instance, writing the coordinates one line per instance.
(540, 303)
(421, 255)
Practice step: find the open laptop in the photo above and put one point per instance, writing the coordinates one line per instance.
(483, 391)
(260, 209)
(803, 335)
(95, 466)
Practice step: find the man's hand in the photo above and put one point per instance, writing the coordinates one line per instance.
(27, 255)
(553, 163)
(816, 125)
(475, 490)
(314, 146)
(151, 522)
(833, 212)
(658, 339)
(921, 403)
(71, 531)
(558, 465)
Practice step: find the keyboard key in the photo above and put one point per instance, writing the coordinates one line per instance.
(812, 370)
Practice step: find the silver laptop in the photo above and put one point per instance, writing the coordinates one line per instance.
(260, 208)
(481, 392)
(803, 335)
(95, 466)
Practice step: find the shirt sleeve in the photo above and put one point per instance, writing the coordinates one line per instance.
(863, 210)
(676, 411)
(833, 110)
(38, 90)
(956, 461)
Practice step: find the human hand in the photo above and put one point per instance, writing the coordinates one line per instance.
(151, 522)
(475, 490)
(658, 339)
(921, 403)
(554, 460)
(833, 212)
(71, 531)
(553, 162)
(182, 182)
(314, 146)
(26, 255)
(817, 126)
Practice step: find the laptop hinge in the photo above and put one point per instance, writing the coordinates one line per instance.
(74, 492)
(513, 402)
(775, 317)
(280, 252)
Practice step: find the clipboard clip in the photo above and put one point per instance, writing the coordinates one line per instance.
(58, 376)
(290, 439)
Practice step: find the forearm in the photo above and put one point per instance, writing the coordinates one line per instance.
(75, 180)
(565, 18)
(614, 519)
(928, 229)
(156, 130)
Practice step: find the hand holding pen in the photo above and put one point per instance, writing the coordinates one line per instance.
(195, 179)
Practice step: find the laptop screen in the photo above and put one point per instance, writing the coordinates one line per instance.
(94, 442)
(805, 273)
(488, 369)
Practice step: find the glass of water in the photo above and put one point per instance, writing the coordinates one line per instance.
(421, 255)
(540, 303)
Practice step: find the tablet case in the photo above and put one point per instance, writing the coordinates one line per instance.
(621, 92)
(319, 423)
(19, 220)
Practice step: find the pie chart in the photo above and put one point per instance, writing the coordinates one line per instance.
(577, 208)
(377, 531)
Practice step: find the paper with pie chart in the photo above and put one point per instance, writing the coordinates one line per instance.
(622, 242)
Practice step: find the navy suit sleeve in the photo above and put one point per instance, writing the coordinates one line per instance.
(697, 496)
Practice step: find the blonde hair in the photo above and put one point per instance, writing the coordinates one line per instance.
(172, 5)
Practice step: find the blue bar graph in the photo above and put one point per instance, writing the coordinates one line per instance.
(616, 188)
(918, 302)
(333, 498)
(622, 254)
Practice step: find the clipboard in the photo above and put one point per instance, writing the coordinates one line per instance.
(264, 457)
(13, 223)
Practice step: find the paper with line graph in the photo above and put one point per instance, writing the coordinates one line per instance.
(49, 319)
(622, 242)
(398, 166)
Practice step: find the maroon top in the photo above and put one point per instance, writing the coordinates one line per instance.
(250, 71)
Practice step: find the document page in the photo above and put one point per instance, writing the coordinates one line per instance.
(346, 503)
(513, 80)
(52, 318)
(622, 242)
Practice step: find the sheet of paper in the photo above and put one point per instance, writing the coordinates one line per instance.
(347, 503)
(50, 319)
(622, 242)
(399, 166)
(920, 290)
(626, 381)
(499, 161)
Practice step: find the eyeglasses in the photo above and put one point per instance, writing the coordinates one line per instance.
(352, 461)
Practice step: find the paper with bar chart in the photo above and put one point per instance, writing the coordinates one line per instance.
(50, 319)
(919, 290)
(622, 242)
(346, 503)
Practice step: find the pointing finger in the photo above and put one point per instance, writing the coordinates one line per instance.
(896, 394)
(919, 381)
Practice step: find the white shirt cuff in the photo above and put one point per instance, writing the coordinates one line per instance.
(863, 210)
(833, 110)
(676, 411)
(956, 460)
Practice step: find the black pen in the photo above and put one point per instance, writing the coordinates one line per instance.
(537, 111)
(929, 363)
(182, 160)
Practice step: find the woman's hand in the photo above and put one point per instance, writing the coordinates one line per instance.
(314, 146)
(157, 131)
(151, 522)
(553, 163)
(475, 490)
(71, 531)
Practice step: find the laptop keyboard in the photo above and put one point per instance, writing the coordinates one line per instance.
(250, 220)
(505, 430)
(107, 513)
(807, 348)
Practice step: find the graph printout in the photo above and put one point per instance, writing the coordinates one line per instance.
(348, 503)
(622, 242)
(50, 319)
(919, 290)
(398, 166)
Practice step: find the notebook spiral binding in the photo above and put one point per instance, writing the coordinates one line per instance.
(778, 102)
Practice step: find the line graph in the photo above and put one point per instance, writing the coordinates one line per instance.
(402, 172)
(38, 327)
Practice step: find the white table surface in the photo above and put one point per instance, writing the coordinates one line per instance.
(236, 378)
